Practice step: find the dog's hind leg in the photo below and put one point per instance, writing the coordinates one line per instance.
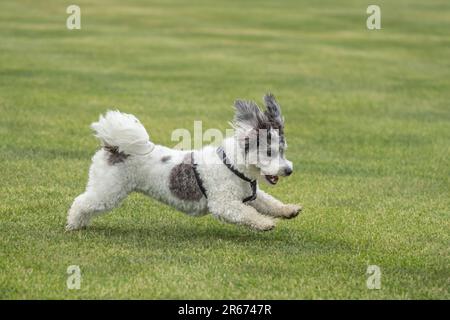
(89, 204)
(268, 205)
(108, 185)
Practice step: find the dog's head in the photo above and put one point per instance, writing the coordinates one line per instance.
(260, 137)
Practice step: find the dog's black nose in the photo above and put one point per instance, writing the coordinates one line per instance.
(287, 171)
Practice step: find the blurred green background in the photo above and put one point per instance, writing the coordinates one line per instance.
(367, 122)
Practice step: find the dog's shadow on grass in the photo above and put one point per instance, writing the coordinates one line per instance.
(156, 236)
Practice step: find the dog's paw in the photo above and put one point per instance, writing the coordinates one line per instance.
(69, 228)
(291, 211)
(73, 227)
(264, 225)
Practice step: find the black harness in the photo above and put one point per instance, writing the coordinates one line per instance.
(197, 176)
(227, 163)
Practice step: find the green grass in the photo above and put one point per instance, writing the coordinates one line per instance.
(368, 126)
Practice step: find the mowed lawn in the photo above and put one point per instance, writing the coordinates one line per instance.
(367, 123)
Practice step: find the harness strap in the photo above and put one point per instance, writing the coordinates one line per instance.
(197, 176)
(227, 163)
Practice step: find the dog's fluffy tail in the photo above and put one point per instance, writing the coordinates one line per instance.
(124, 132)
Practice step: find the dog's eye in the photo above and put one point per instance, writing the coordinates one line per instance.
(247, 145)
(269, 144)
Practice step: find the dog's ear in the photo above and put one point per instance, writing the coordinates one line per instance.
(273, 112)
(248, 115)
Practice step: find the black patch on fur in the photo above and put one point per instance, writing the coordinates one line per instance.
(248, 112)
(182, 182)
(114, 155)
(273, 114)
(165, 159)
(247, 145)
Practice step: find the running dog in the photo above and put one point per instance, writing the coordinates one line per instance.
(221, 180)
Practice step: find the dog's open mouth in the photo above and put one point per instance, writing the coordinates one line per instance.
(271, 179)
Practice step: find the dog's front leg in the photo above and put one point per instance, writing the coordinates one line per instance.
(271, 206)
(239, 213)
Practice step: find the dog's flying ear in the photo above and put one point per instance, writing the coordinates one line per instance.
(248, 114)
(273, 111)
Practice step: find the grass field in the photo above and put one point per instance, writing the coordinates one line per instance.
(367, 122)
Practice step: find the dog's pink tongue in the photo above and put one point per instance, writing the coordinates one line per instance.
(272, 179)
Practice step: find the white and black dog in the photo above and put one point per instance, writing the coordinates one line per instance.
(221, 180)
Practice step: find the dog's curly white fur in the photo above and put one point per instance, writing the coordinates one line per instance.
(128, 161)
